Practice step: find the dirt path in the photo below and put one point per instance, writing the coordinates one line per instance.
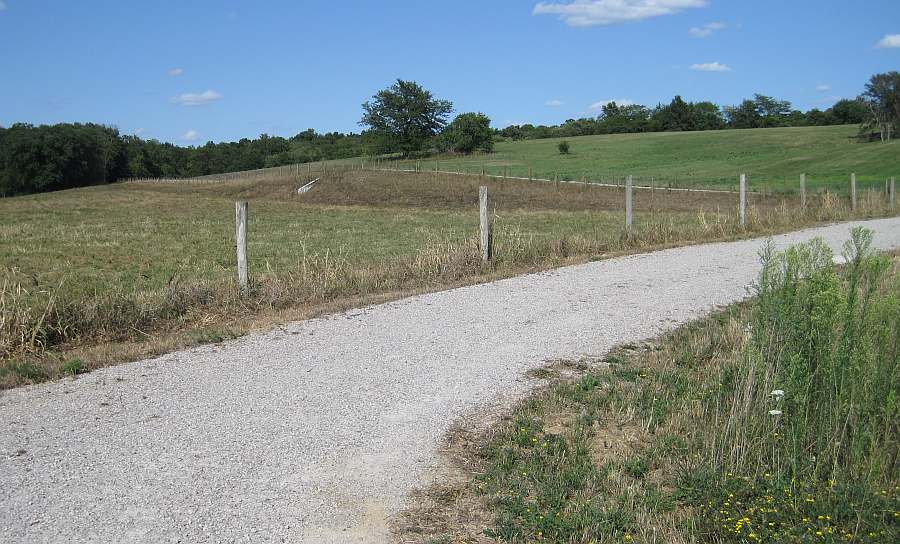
(315, 431)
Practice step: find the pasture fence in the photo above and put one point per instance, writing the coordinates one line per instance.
(627, 184)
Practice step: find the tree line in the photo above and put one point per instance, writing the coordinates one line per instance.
(761, 111)
(52, 157)
(404, 119)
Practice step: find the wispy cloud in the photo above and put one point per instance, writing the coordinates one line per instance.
(581, 13)
(711, 67)
(706, 30)
(890, 41)
(190, 136)
(138, 131)
(2, 5)
(554, 103)
(176, 72)
(823, 88)
(197, 99)
(598, 105)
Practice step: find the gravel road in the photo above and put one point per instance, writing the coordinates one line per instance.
(314, 432)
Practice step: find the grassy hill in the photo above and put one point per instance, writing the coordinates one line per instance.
(772, 158)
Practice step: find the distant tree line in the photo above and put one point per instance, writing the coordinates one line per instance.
(678, 115)
(404, 119)
(52, 157)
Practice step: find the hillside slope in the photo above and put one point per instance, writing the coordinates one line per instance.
(769, 156)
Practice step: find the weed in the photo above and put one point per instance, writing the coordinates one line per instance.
(74, 367)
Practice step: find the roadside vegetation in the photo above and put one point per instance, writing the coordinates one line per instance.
(774, 420)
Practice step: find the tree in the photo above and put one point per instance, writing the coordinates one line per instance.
(744, 116)
(469, 132)
(775, 113)
(676, 116)
(882, 98)
(563, 147)
(405, 117)
(849, 112)
(707, 116)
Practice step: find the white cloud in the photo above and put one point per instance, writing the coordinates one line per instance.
(197, 99)
(2, 5)
(138, 131)
(598, 106)
(706, 30)
(191, 136)
(580, 13)
(554, 103)
(711, 67)
(176, 72)
(823, 87)
(889, 41)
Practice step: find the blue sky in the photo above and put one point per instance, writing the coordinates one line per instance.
(188, 72)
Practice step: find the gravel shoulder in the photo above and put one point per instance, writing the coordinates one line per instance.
(315, 431)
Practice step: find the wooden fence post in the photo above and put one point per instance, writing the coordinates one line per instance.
(893, 193)
(853, 192)
(487, 241)
(743, 204)
(240, 235)
(628, 205)
(803, 191)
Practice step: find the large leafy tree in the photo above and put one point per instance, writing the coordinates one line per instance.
(882, 97)
(469, 132)
(405, 117)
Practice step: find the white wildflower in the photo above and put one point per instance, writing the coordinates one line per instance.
(778, 393)
(774, 412)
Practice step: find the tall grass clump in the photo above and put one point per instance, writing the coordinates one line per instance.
(809, 445)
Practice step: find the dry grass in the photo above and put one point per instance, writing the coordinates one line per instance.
(104, 274)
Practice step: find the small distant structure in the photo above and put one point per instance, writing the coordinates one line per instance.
(307, 187)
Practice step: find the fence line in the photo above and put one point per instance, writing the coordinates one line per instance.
(376, 165)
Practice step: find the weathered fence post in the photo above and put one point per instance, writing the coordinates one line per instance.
(893, 193)
(240, 236)
(743, 204)
(803, 191)
(487, 240)
(853, 192)
(628, 204)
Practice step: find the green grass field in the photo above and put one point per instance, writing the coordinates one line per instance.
(772, 158)
(136, 236)
(145, 262)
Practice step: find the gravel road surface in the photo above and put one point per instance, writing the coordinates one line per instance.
(315, 431)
